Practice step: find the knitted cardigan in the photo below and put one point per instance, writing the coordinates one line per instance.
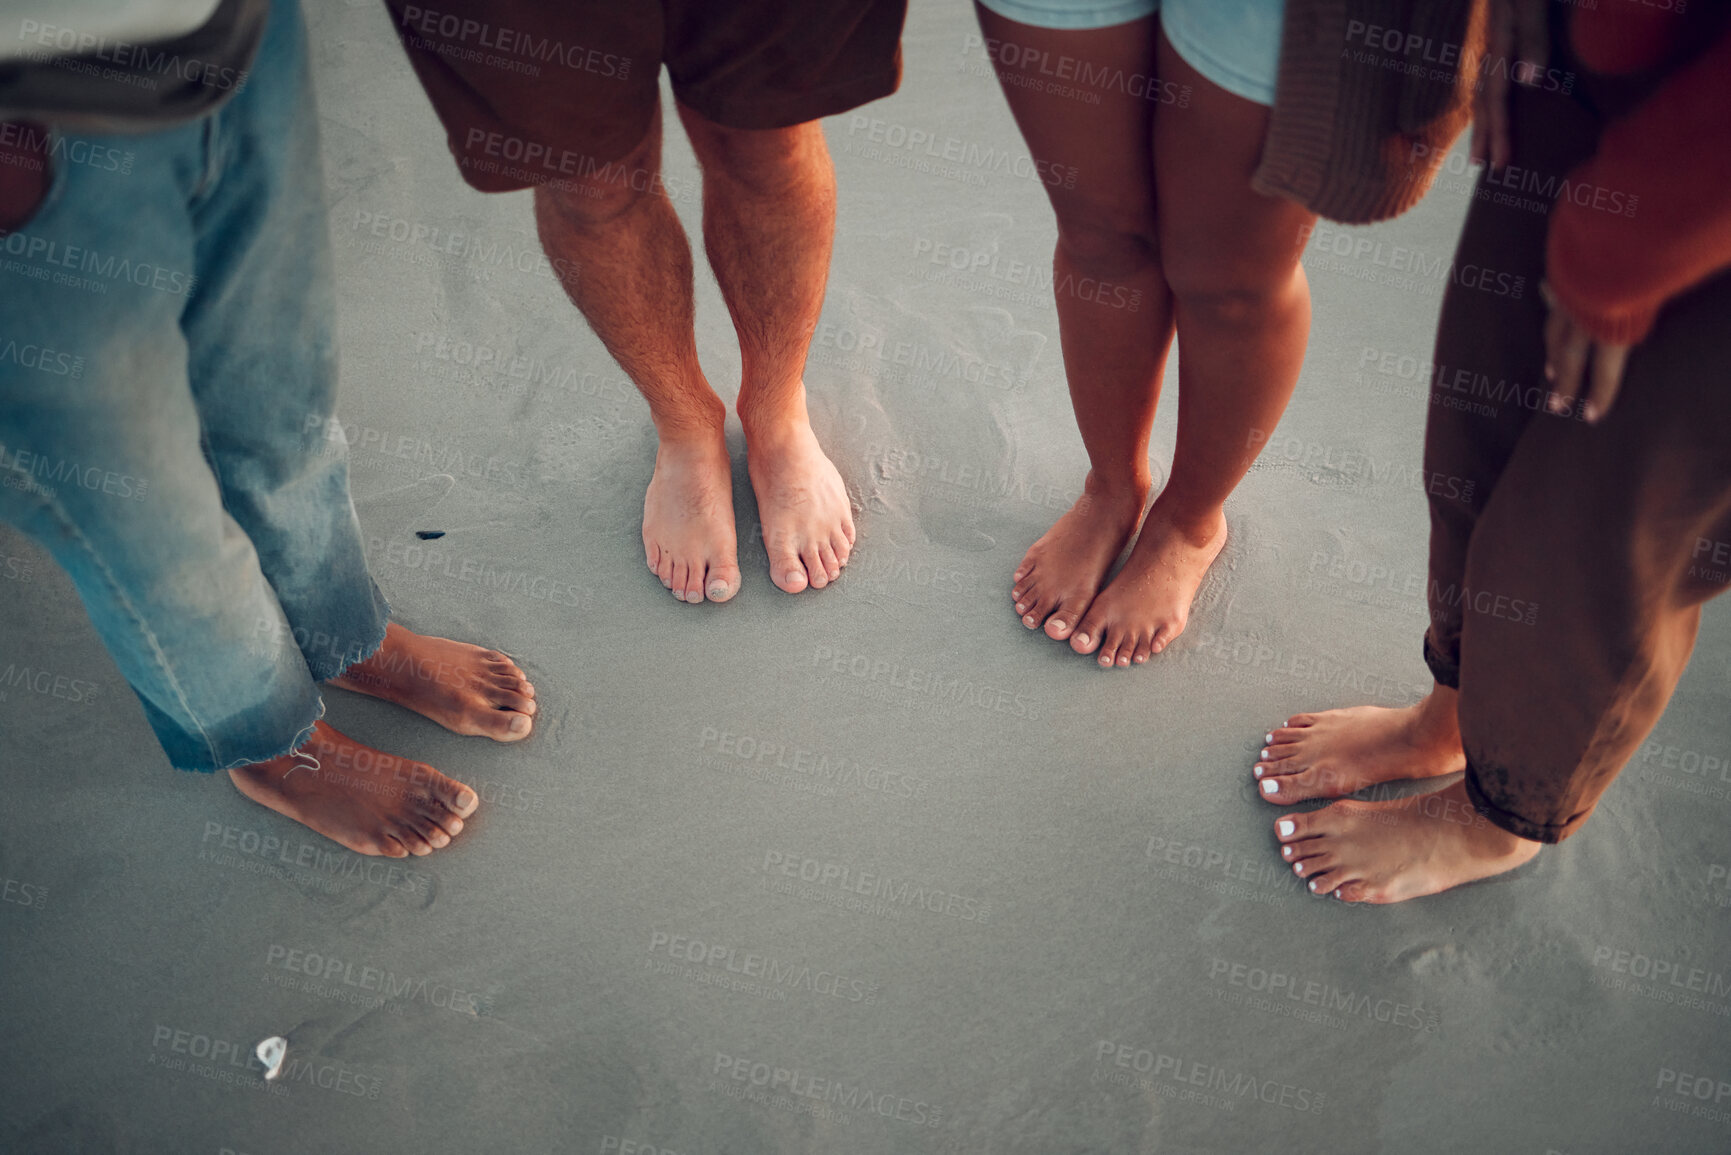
(1370, 96)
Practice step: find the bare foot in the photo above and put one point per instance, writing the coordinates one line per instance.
(688, 535)
(1146, 606)
(1341, 752)
(371, 802)
(1061, 574)
(803, 504)
(464, 688)
(1391, 851)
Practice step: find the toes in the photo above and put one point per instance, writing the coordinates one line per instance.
(436, 814)
(827, 559)
(814, 568)
(682, 579)
(842, 545)
(1087, 637)
(1034, 608)
(430, 832)
(458, 798)
(664, 571)
(693, 585)
(1144, 650)
(1295, 828)
(787, 571)
(652, 554)
(723, 581)
(1322, 885)
(1355, 892)
(1285, 736)
(411, 840)
(1300, 721)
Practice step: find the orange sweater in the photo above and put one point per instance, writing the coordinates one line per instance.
(1672, 151)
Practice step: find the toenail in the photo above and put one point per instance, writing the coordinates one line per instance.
(520, 724)
(1270, 786)
(1287, 827)
(1268, 739)
(1313, 884)
(1298, 868)
(718, 590)
(1264, 753)
(1081, 638)
(1256, 772)
(1286, 850)
(1029, 620)
(1021, 607)
(465, 800)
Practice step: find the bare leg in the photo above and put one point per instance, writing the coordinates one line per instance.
(1243, 315)
(1384, 852)
(1112, 356)
(632, 282)
(463, 687)
(768, 221)
(1340, 752)
(371, 802)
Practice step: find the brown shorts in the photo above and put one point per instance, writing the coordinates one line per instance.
(532, 91)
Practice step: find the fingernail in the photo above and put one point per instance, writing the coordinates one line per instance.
(1270, 786)
(1287, 827)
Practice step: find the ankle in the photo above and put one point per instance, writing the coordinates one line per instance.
(1197, 525)
(773, 415)
(694, 427)
(1119, 488)
(1435, 721)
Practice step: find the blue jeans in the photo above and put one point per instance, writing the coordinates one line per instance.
(167, 381)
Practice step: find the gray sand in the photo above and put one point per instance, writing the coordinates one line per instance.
(869, 869)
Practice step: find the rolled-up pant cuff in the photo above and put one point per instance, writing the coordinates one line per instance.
(1446, 670)
(1508, 820)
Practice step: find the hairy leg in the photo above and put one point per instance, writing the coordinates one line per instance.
(622, 257)
(768, 223)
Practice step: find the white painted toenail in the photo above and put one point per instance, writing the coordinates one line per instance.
(1313, 884)
(1298, 868)
(1264, 753)
(1256, 772)
(1286, 850)
(1268, 739)
(1287, 827)
(1270, 786)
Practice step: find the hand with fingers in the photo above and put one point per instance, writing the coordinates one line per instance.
(1518, 49)
(1571, 353)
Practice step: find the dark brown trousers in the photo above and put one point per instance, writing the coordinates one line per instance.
(1565, 594)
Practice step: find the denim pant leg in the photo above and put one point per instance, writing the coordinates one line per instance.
(102, 463)
(262, 345)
